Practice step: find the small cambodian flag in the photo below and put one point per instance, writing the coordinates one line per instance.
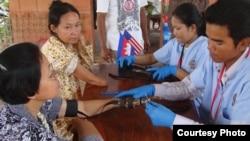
(124, 47)
(138, 48)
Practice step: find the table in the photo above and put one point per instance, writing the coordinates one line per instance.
(124, 124)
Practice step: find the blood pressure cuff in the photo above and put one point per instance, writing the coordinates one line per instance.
(72, 108)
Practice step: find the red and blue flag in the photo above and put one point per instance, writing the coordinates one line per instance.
(128, 45)
(138, 48)
(124, 47)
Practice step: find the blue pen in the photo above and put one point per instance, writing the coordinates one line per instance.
(110, 92)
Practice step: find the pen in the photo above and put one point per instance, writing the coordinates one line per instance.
(109, 92)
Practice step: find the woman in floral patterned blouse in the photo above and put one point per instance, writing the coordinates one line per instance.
(69, 55)
(67, 51)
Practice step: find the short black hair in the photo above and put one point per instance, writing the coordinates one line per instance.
(20, 72)
(233, 14)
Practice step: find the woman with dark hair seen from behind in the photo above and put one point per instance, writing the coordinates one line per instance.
(29, 89)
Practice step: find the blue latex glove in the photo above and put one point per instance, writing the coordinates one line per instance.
(147, 90)
(159, 114)
(162, 72)
(125, 60)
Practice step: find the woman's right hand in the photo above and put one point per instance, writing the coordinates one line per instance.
(102, 82)
(85, 75)
(107, 55)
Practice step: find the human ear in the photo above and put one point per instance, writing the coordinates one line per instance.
(52, 28)
(193, 28)
(244, 43)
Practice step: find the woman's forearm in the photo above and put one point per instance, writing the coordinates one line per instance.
(87, 76)
(95, 107)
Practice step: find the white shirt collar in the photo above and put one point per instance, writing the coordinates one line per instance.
(229, 72)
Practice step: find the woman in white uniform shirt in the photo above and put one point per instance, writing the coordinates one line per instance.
(182, 54)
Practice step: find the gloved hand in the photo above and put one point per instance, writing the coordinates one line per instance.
(161, 73)
(159, 114)
(125, 60)
(147, 90)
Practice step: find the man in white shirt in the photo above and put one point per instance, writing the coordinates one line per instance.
(115, 16)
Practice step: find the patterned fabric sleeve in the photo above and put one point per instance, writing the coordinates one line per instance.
(51, 109)
(86, 57)
(17, 124)
(86, 53)
(180, 90)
